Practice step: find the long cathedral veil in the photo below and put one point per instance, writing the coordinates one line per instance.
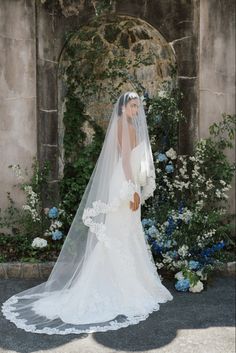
(89, 224)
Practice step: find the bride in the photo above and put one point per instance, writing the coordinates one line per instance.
(105, 277)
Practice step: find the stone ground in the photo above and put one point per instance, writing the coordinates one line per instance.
(190, 323)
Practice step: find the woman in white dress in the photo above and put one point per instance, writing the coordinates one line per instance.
(105, 277)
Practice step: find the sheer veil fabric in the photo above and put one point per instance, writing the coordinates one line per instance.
(105, 277)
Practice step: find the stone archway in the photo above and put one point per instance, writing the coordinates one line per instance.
(120, 54)
(176, 21)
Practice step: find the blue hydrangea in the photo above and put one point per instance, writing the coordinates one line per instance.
(53, 212)
(182, 285)
(168, 244)
(174, 254)
(161, 157)
(152, 230)
(169, 168)
(157, 248)
(147, 222)
(193, 265)
(57, 235)
(220, 245)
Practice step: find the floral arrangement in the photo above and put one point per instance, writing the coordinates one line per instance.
(185, 223)
(40, 227)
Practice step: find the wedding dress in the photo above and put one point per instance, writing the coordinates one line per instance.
(117, 284)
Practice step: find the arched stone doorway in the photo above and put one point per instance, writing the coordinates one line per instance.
(103, 59)
(51, 25)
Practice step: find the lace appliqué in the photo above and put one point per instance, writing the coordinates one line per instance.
(99, 229)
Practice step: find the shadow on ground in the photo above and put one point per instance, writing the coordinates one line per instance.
(213, 307)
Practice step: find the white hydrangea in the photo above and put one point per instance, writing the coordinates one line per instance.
(218, 193)
(183, 250)
(179, 275)
(39, 243)
(223, 182)
(186, 215)
(197, 288)
(159, 265)
(199, 204)
(171, 153)
(209, 184)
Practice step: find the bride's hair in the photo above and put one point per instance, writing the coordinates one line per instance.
(123, 100)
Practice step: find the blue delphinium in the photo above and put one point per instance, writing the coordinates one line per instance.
(182, 285)
(193, 265)
(210, 251)
(53, 212)
(170, 226)
(169, 168)
(57, 235)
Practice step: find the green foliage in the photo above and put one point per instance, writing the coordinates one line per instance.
(189, 203)
(85, 77)
(29, 221)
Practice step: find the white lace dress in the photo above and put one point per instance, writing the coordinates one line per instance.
(119, 287)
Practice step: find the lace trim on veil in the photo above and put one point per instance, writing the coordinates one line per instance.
(149, 188)
(99, 229)
(8, 312)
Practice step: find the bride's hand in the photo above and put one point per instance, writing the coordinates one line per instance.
(135, 205)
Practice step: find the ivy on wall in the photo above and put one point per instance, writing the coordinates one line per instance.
(96, 68)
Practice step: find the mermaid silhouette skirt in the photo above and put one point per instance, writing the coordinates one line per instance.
(119, 285)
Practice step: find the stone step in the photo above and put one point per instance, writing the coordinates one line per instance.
(43, 269)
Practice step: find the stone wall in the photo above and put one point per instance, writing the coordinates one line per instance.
(32, 37)
(18, 124)
(217, 68)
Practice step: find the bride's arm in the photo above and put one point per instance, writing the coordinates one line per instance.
(126, 154)
(131, 189)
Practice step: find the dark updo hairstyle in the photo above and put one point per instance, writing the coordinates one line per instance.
(124, 98)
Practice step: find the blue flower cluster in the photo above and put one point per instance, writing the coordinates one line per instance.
(215, 247)
(194, 265)
(169, 168)
(182, 285)
(147, 222)
(53, 212)
(170, 226)
(161, 157)
(56, 234)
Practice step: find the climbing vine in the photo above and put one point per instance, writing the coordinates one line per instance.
(95, 70)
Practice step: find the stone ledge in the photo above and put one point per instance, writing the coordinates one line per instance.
(25, 270)
(43, 269)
